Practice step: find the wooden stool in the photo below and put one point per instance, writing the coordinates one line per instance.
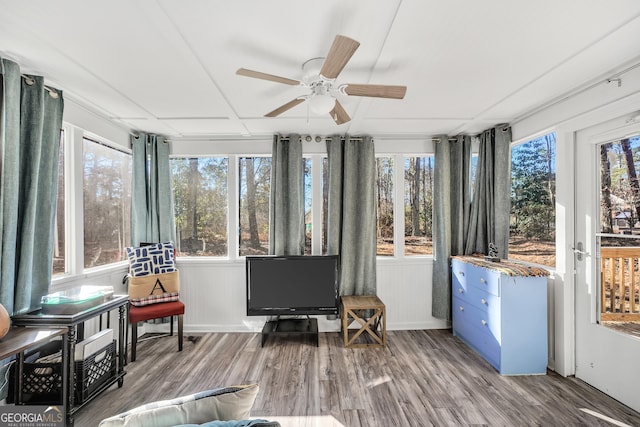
(354, 308)
(155, 311)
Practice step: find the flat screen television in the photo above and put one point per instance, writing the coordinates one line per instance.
(292, 285)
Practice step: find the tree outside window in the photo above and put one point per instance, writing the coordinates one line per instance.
(325, 203)
(107, 203)
(620, 190)
(384, 201)
(308, 217)
(418, 205)
(200, 204)
(533, 199)
(59, 259)
(253, 220)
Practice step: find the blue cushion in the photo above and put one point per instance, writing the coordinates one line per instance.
(152, 259)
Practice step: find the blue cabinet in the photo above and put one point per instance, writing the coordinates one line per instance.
(501, 312)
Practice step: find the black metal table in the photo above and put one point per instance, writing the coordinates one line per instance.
(18, 340)
(75, 332)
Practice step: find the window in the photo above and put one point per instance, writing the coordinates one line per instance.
(107, 203)
(418, 205)
(533, 190)
(619, 237)
(200, 203)
(253, 220)
(308, 217)
(384, 201)
(59, 260)
(620, 191)
(325, 203)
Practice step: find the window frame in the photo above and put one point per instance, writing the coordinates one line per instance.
(406, 157)
(514, 145)
(228, 208)
(74, 209)
(64, 131)
(261, 147)
(393, 166)
(120, 149)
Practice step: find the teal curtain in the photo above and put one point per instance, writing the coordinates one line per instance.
(286, 213)
(489, 222)
(30, 124)
(451, 208)
(152, 216)
(351, 217)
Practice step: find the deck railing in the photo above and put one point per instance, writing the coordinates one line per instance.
(620, 283)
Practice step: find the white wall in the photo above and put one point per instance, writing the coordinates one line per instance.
(215, 296)
(602, 101)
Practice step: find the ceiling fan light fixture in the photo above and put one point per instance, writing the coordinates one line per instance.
(322, 104)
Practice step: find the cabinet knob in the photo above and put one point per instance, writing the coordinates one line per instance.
(482, 280)
(461, 273)
(483, 301)
(460, 291)
(484, 322)
(461, 308)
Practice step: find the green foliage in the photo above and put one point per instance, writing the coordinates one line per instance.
(200, 204)
(533, 190)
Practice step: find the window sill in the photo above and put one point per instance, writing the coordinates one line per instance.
(61, 282)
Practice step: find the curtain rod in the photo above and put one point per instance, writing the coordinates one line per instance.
(438, 140)
(30, 81)
(454, 139)
(318, 138)
(137, 136)
(308, 138)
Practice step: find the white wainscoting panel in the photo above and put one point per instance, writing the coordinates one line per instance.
(214, 292)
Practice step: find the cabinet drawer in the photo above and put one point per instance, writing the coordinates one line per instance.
(468, 326)
(478, 277)
(479, 298)
(479, 318)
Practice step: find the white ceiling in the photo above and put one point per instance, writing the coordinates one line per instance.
(168, 66)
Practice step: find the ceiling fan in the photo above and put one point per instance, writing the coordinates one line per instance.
(321, 80)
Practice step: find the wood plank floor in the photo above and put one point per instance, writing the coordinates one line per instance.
(422, 378)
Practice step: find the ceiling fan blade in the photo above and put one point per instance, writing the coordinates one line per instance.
(377, 91)
(338, 114)
(265, 76)
(341, 51)
(289, 105)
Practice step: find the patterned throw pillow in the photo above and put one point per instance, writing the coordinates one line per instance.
(227, 403)
(154, 299)
(152, 259)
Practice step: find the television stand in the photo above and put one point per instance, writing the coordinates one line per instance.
(280, 326)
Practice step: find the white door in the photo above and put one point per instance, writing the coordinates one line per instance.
(607, 359)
